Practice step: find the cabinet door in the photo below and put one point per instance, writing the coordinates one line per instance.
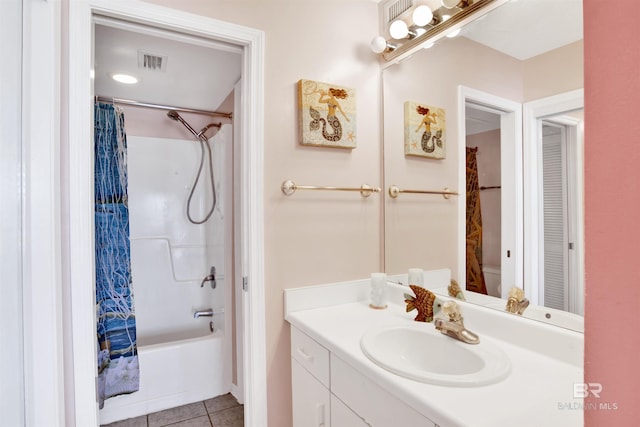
(342, 416)
(311, 401)
(376, 406)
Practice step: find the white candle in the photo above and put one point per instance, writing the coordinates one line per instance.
(378, 290)
(416, 276)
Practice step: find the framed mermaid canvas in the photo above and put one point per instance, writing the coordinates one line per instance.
(327, 114)
(424, 130)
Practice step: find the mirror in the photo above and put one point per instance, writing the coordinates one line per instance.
(522, 56)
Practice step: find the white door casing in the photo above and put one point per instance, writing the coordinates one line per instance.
(11, 312)
(533, 113)
(512, 246)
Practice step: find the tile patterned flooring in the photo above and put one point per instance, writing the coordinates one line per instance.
(221, 411)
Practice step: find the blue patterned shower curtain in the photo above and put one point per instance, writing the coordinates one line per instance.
(116, 329)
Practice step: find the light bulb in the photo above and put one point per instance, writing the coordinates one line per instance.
(398, 29)
(453, 33)
(422, 15)
(378, 44)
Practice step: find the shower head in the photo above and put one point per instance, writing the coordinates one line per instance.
(173, 114)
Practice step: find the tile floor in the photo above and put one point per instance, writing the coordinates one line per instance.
(221, 411)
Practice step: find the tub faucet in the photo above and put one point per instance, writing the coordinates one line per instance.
(516, 303)
(454, 327)
(203, 313)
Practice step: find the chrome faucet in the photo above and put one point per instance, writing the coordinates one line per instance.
(454, 327)
(516, 303)
(203, 313)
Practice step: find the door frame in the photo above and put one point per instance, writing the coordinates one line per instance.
(80, 189)
(511, 192)
(11, 217)
(533, 114)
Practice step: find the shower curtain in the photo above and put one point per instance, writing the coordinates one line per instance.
(475, 276)
(116, 327)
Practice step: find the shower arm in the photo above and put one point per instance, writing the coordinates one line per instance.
(175, 116)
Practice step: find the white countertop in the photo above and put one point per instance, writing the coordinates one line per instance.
(538, 391)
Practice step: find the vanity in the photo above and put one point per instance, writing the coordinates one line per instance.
(357, 366)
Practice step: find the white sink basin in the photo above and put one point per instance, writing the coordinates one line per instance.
(421, 353)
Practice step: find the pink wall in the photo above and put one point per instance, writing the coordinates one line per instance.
(612, 188)
(554, 72)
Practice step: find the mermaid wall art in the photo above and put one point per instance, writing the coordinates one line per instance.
(327, 114)
(424, 130)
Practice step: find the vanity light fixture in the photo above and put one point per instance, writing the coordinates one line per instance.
(415, 24)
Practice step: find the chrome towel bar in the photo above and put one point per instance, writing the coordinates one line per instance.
(394, 191)
(289, 187)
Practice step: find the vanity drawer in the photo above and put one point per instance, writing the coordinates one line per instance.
(311, 355)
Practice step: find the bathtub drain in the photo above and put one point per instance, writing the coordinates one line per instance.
(211, 326)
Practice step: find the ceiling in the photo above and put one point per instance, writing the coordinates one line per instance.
(527, 28)
(196, 73)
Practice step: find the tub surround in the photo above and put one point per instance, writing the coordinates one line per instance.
(546, 361)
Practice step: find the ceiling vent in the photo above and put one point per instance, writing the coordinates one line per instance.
(152, 61)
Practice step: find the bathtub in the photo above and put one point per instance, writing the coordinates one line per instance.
(175, 370)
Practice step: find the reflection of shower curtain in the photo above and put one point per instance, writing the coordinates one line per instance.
(475, 277)
(116, 328)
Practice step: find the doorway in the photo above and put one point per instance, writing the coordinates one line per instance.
(554, 222)
(505, 117)
(180, 212)
(250, 257)
(484, 175)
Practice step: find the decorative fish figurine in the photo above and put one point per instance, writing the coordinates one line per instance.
(423, 302)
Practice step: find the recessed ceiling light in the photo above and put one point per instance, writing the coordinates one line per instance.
(124, 78)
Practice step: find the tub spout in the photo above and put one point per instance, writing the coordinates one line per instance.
(203, 313)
